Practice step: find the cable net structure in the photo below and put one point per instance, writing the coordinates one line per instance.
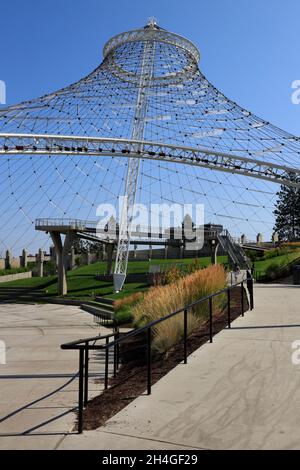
(147, 124)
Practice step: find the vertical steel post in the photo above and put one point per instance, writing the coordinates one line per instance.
(80, 390)
(229, 308)
(86, 373)
(115, 355)
(185, 332)
(242, 297)
(118, 350)
(149, 332)
(106, 365)
(210, 321)
(138, 131)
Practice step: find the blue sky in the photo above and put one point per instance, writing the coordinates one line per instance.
(249, 48)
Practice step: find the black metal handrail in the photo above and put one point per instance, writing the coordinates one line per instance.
(84, 346)
(78, 342)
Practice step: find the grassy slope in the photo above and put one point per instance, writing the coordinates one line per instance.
(282, 260)
(82, 283)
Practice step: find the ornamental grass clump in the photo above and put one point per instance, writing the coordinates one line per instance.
(128, 301)
(161, 300)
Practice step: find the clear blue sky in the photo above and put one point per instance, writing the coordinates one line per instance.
(249, 48)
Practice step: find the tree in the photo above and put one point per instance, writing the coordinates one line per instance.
(287, 211)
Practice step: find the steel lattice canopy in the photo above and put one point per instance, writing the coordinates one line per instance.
(184, 111)
(189, 129)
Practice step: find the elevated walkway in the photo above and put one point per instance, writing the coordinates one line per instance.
(93, 231)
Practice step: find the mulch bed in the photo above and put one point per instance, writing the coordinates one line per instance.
(131, 379)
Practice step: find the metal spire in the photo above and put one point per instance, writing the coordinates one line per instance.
(139, 122)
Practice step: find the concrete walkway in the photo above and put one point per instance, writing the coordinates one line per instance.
(242, 392)
(38, 384)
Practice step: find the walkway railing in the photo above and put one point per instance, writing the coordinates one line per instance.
(68, 223)
(84, 345)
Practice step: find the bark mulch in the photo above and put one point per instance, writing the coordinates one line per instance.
(131, 378)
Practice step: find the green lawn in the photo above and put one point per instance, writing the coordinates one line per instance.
(82, 283)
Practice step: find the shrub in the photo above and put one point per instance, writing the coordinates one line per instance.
(291, 247)
(124, 316)
(194, 266)
(5, 272)
(277, 252)
(161, 300)
(173, 275)
(273, 271)
(49, 268)
(159, 279)
(254, 255)
(273, 253)
(123, 307)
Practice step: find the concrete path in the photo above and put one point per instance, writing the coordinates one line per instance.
(242, 392)
(38, 383)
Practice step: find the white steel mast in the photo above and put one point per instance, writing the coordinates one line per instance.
(146, 73)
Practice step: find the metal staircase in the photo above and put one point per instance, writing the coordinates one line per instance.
(234, 250)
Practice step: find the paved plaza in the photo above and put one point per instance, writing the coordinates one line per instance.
(39, 382)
